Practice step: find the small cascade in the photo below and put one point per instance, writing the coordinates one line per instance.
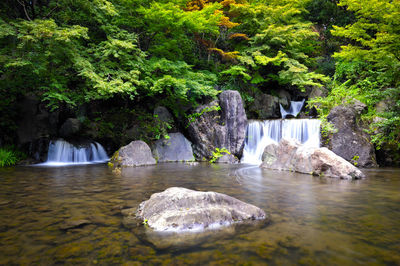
(294, 109)
(260, 134)
(64, 153)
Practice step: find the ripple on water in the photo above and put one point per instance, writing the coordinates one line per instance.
(314, 220)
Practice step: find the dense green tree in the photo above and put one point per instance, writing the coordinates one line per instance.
(280, 46)
(368, 66)
(179, 53)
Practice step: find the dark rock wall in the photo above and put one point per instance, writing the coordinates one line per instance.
(351, 141)
(225, 128)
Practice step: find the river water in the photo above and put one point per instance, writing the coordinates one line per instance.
(314, 221)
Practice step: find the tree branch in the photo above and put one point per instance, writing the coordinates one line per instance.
(51, 11)
(26, 12)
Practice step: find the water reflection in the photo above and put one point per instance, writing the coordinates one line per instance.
(314, 220)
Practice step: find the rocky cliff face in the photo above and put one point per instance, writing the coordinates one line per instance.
(351, 141)
(223, 128)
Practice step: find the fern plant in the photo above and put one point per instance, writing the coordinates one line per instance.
(218, 153)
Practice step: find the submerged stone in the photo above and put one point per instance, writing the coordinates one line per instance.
(180, 209)
(290, 155)
(70, 224)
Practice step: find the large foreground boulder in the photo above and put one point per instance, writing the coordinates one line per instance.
(351, 141)
(136, 153)
(220, 124)
(290, 155)
(176, 148)
(181, 209)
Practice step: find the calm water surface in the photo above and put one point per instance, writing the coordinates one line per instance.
(314, 221)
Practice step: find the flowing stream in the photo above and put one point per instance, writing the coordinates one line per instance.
(314, 221)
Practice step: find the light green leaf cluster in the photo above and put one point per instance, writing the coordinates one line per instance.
(281, 44)
(368, 66)
(177, 83)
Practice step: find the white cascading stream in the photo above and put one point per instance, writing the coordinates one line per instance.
(64, 153)
(260, 134)
(294, 109)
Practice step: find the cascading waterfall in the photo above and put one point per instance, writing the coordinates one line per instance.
(260, 134)
(294, 109)
(64, 153)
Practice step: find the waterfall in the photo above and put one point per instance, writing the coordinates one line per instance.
(260, 134)
(64, 153)
(294, 109)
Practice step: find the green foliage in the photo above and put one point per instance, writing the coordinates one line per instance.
(370, 62)
(9, 156)
(192, 117)
(218, 153)
(177, 84)
(354, 160)
(182, 53)
(156, 129)
(281, 43)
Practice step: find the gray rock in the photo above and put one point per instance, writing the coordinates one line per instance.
(136, 153)
(290, 155)
(176, 148)
(266, 106)
(228, 158)
(179, 209)
(351, 141)
(163, 114)
(225, 128)
(235, 120)
(317, 92)
(70, 127)
(383, 106)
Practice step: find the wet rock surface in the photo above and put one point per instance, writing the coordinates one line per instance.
(136, 153)
(350, 141)
(179, 209)
(228, 158)
(224, 128)
(290, 155)
(36, 127)
(176, 148)
(70, 127)
(266, 106)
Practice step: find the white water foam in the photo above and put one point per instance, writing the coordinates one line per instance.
(294, 109)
